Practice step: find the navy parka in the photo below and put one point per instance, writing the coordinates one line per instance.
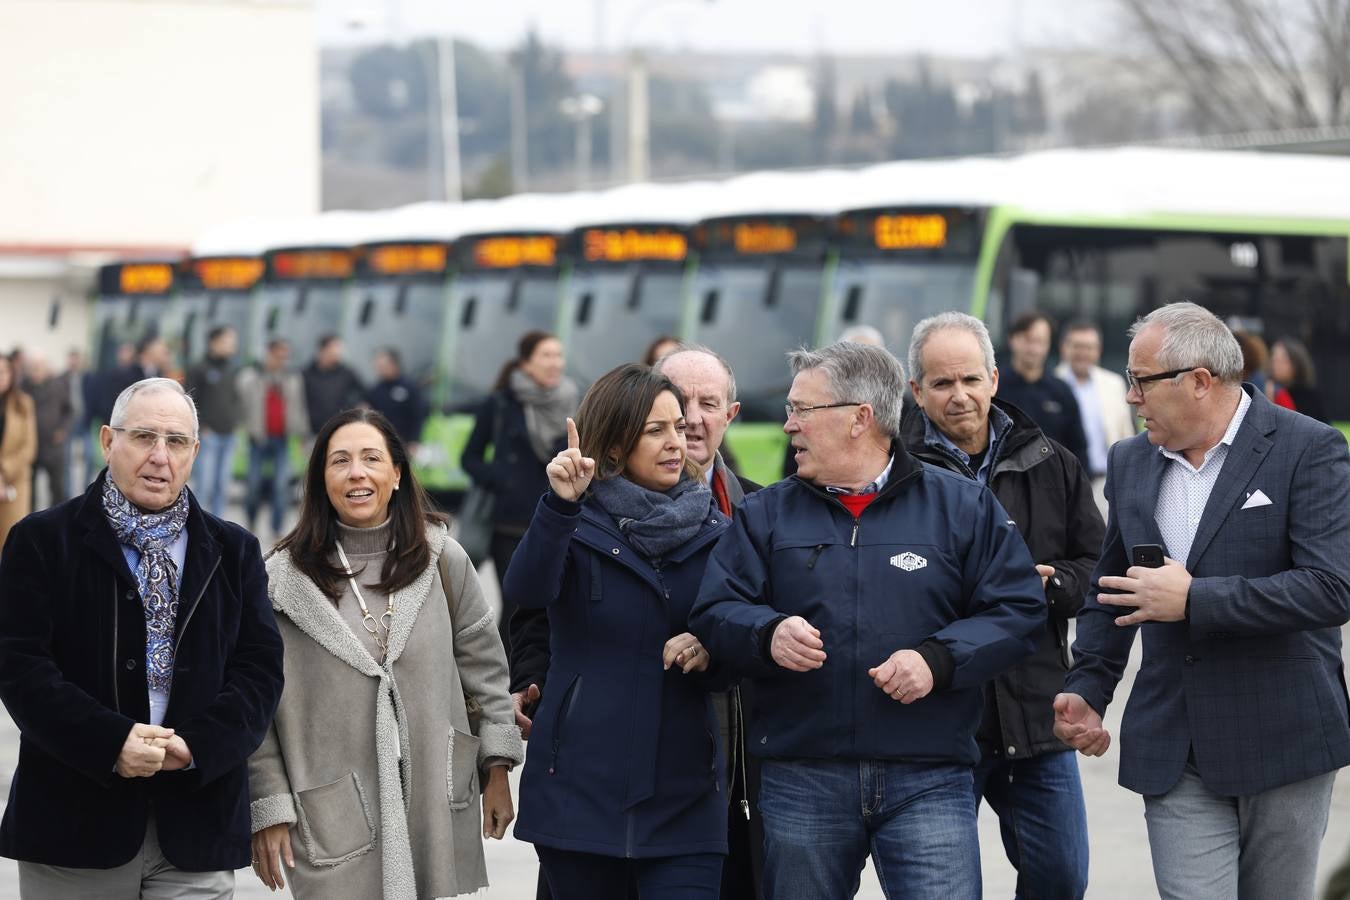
(624, 757)
(933, 564)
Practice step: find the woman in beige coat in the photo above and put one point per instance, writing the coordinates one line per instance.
(368, 783)
(18, 448)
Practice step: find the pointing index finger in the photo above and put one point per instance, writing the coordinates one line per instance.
(573, 441)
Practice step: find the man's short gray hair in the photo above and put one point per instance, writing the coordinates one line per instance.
(682, 347)
(151, 386)
(1193, 337)
(957, 321)
(859, 373)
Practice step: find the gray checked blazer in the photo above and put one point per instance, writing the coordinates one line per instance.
(1253, 679)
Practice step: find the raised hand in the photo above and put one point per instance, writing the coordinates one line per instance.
(570, 473)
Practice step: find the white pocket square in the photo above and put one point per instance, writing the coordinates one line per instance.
(1256, 498)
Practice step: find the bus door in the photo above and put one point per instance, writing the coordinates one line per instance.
(627, 288)
(300, 299)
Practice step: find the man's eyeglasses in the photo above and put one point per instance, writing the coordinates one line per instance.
(1135, 382)
(801, 412)
(145, 440)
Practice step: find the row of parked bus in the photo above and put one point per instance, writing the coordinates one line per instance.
(759, 264)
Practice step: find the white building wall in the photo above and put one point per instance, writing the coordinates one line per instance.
(131, 126)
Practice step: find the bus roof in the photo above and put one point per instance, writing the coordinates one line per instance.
(811, 193)
(255, 236)
(1122, 183)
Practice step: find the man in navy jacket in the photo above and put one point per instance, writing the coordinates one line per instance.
(140, 659)
(870, 597)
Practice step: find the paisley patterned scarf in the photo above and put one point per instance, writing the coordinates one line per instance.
(157, 575)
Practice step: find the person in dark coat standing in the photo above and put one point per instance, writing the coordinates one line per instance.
(398, 397)
(710, 405)
(623, 778)
(1028, 778)
(524, 421)
(55, 415)
(140, 660)
(330, 384)
(213, 384)
(1032, 388)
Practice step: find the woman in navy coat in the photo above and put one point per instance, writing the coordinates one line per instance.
(623, 776)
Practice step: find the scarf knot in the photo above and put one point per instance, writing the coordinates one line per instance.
(655, 522)
(157, 575)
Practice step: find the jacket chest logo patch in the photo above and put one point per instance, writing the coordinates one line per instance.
(908, 561)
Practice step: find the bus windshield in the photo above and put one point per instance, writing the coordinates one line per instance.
(489, 313)
(893, 296)
(299, 312)
(408, 316)
(616, 314)
(752, 314)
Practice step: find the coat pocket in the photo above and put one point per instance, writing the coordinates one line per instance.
(461, 769)
(335, 821)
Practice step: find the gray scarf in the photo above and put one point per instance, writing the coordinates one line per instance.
(546, 411)
(655, 522)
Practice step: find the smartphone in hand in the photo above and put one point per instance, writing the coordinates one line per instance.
(1150, 556)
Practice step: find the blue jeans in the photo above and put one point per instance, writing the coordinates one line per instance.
(589, 876)
(276, 453)
(211, 472)
(1039, 803)
(823, 817)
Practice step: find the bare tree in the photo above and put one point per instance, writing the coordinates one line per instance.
(1252, 64)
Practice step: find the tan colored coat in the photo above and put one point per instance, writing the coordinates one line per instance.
(18, 449)
(375, 768)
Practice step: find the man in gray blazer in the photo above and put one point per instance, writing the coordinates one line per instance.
(1238, 719)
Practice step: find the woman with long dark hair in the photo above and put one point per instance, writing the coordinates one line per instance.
(524, 422)
(18, 449)
(395, 678)
(623, 779)
(1295, 378)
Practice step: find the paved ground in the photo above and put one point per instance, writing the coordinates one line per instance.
(1120, 859)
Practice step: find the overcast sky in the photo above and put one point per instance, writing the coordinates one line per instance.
(944, 27)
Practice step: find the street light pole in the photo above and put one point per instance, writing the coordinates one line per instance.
(637, 107)
(449, 119)
(520, 159)
(581, 110)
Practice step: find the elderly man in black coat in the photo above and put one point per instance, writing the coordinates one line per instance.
(140, 659)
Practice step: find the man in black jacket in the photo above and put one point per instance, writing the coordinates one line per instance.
(330, 384)
(398, 397)
(710, 404)
(214, 388)
(1026, 775)
(140, 659)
